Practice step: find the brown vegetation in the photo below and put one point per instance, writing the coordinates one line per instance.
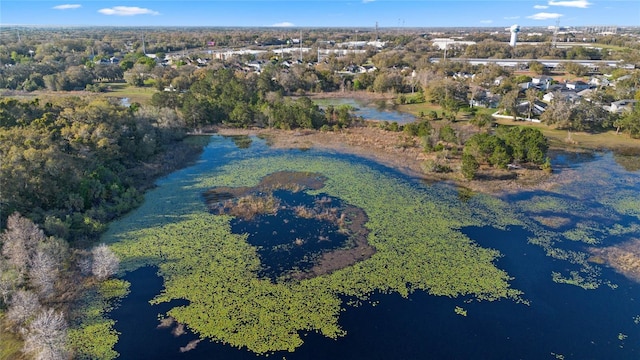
(392, 149)
(353, 221)
(624, 258)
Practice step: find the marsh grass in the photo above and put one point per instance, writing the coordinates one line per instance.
(135, 94)
(248, 207)
(624, 257)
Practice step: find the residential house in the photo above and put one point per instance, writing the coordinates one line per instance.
(485, 99)
(577, 85)
(464, 75)
(586, 94)
(621, 79)
(566, 95)
(538, 107)
(526, 85)
(255, 65)
(354, 69)
(621, 105)
(599, 81)
(542, 81)
(555, 87)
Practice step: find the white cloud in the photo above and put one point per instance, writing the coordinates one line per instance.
(544, 16)
(367, 1)
(583, 4)
(67, 6)
(512, 17)
(486, 21)
(283, 24)
(127, 11)
(540, 7)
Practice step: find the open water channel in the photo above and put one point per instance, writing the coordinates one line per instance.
(559, 321)
(377, 110)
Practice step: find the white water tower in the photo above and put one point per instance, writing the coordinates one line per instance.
(514, 29)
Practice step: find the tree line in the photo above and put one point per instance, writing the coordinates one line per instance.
(69, 166)
(237, 99)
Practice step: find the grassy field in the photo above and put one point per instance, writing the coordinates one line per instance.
(140, 95)
(563, 138)
(426, 107)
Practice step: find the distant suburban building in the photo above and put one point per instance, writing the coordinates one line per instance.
(443, 43)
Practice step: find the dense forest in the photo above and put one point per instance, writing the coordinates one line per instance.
(68, 168)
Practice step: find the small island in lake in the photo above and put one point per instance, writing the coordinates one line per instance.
(322, 250)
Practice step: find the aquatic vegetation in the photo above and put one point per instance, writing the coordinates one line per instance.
(552, 221)
(92, 335)
(625, 202)
(547, 203)
(589, 282)
(241, 141)
(586, 215)
(415, 232)
(334, 223)
(584, 233)
(460, 311)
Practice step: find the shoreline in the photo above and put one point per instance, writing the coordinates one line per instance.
(391, 149)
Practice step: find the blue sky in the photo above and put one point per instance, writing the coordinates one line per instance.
(318, 13)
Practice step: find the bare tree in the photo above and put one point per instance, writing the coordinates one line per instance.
(85, 263)
(46, 336)
(22, 307)
(105, 262)
(20, 240)
(43, 272)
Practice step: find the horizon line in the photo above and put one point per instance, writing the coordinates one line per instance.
(306, 27)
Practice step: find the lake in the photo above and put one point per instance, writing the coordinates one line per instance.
(553, 303)
(376, 110)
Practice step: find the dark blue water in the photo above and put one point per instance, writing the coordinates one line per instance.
(275, 236)
(560, 319)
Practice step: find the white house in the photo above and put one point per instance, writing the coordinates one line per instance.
(543, 80)
(599, 81)
(570, 96)
(577, 85)
(538, 107)
(621, 105)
